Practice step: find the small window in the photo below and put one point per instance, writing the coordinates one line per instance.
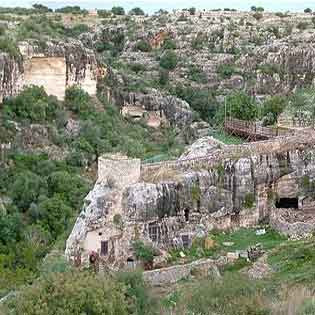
(153, 232)
(104, 248)
(186, 241)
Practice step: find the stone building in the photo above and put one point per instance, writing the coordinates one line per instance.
(170, 204)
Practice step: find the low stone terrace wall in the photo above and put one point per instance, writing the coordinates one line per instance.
(176, 273)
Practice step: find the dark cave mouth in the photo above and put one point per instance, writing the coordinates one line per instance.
(287, 203)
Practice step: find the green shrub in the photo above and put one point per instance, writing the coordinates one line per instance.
(137, 292)
(136, 11)
(77, 100)
(302, 26)
(71, 10)
(274, 106)
(118, 11)
(9, 46)
(163, 77)
(143, 252)
(143, 46)
(249, 200)
(137, 67)
(226, 70)
(241, 106)
(232, 295)
(168, 60)
(198, 75)
(33, 104)
(72, 293)
(169, 44)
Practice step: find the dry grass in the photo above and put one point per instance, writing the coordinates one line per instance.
(292, 302)
(162, 173)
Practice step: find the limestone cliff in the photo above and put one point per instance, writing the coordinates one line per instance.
(56, 65)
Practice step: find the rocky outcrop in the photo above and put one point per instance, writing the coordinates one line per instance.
(11, 70)
(56, 65)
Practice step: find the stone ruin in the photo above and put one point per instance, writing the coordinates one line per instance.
(169, 204)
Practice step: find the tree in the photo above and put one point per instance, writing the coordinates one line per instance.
(54, 215)
(76, 99)
(192, 11)
(41, 8)
(118, 10)
(72, 293)
(26, 189)
(169, 60)
(241, 106)
(104, 13)
(308, 10)
(136, 11)
(253, 8)
(273, 107)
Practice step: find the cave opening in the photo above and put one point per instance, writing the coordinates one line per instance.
(287, 203)
(186, 213)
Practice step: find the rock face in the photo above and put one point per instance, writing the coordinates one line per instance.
(237, 191)
(11, 69)
(55, 66)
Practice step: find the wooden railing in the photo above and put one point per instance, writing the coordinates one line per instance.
(252, 130)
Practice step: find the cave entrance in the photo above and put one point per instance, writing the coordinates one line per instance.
(287, 203)
(186, 213)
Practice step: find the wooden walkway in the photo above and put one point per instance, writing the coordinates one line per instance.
(251, 130)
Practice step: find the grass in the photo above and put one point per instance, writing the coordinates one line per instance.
(226, 138)
(240, 240)
(243, 238)
(294, 262)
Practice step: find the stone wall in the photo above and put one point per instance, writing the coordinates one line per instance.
(280, 223)
(120, 169)
(171, 275)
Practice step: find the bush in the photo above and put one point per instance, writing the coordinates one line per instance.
(169, 44)
(8, 45)
(143, 252)
(249, 200)
(241, 106)
(118, 11)
(136, 11)
(137, 293)
(226, 70)
(302, 26)
(169, 60)
(143, 45)
(71, 10)
(198, 75)
(274, 106)
(137, 67)
(163, 77)
(77, 100)
(233, 295)
(26, 189)
(203, 101)
(72, 293)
